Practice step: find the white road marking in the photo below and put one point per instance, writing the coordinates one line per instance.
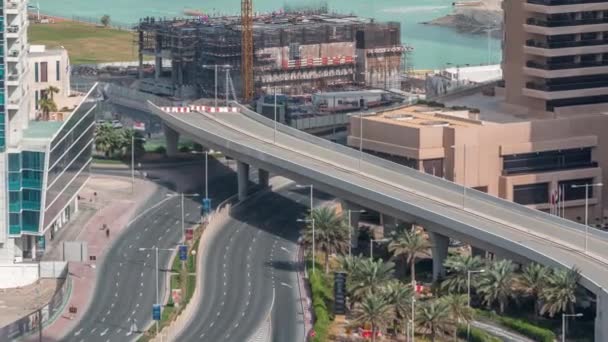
(118, 274)
(236, 325)
(203, 334)
(112, 305)
(137, 237)
(187, 214)
(147, 256)
(142, 274)
(287, 285)
(137, 305)
(243, 314)
(133, 313)
(222, 304)
(93, 330)
(228, 336)
(141, 284)
(78, 332)
(154, 222)
(103, 319)
(212, 323)
(116, 284)
(285, 249)
(116, 294)
(218, 314)
(176, 221)
(120, 264)
(130, 246)
(159, 238)
(168, 230)
(104, 332)
(108, 313)
(141, 294)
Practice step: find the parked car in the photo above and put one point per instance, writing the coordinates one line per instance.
(116, 124)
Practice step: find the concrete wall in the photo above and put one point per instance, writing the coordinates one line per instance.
(51, 57)
(18, 275)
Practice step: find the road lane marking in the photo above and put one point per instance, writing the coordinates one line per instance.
(218, 314)
(137, 305)
(176, 221)
(112, 305)
(116, 294)
(203, 334)
(236, 325)
(104, 332)
(285, 249)
(78, 332)
(93, 330)
(159, 238)
(155, 221)
(142, 274)
(287, 285)
(116, 284)
(187, 214)
(141, 294)
(108, 313)
(211, 325)
(103, 319)
(222, 304)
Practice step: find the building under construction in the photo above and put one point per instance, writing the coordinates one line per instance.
(296, 52)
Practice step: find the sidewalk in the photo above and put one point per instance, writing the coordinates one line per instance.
(116, 207)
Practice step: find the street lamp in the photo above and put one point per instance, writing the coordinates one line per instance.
(464, 173)
(182, 195)
(312, 221)
(133, 159)
(350, 230)
(274, 135)
(215, 66)
(469, 296)
(156, 249)
(564, 316)
(586, 186)
(206, 153)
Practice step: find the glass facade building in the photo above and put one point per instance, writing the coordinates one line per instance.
(53, 165)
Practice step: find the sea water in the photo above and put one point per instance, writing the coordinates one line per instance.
(434, 47)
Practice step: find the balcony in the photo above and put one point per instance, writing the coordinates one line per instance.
(567, 86)
(563, 2)
(550, 91)
(566, 44)
(13, 6)
(565, 48)
(568, 22)
(562, 66)
(560, 70)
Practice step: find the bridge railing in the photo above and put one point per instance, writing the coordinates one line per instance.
(420, 176)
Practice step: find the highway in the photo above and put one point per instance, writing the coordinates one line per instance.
(404, 193)
(125, 288)
(252, 256)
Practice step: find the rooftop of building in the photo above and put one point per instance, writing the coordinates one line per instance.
(421, 116)
(42, 129)
(43, 51)
(491, 108)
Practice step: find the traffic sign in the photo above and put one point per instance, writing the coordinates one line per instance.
(183, 252)
(206, 206)
(156, 312)
(189, 234)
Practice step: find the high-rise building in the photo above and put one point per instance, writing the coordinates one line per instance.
(45, 154)
(556, 55)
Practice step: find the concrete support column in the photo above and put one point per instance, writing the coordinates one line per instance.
(440, 245)
(171, 139)
(389, 224)
(242, 170)
(263, 177)
(478, 252)
(140, 55)
(601, 316)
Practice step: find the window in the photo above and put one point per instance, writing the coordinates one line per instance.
(58, 70)
(44, 66)
(531, 193)
(36, 76)
(36, 99)
(573, 191)
(547, 161)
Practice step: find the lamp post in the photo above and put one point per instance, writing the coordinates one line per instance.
(586, 186)
(413, 317)
(564, 316)
(215, 68)
(464, 173)
(206, 153)
(469, 296)
(274, 133)
(133, 160)
(350, 230)
(156, 249)
(312, 221)
(182, 195)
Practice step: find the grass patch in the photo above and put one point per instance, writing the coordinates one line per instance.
(476, 335)
(321, 302)
(87, 44)
(108, 161)
(521, 326)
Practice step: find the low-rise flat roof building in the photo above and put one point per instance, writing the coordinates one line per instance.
(495, 151)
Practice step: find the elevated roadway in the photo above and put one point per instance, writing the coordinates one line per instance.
(479, 219)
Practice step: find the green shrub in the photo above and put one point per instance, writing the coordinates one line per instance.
(160, 150)
(321, 296)
(476, 335)
(529, 330)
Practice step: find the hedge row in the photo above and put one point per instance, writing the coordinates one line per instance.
(320, 299)
(476, 335)
(529, 330)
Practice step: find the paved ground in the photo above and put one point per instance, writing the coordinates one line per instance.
(18, 302)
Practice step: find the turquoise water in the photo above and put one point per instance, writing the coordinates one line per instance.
(434, 46)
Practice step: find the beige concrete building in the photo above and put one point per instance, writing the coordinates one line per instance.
(496, 152)
(49, 67)
(556, 56)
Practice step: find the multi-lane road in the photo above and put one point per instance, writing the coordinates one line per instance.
(126, 284)
(253, 258)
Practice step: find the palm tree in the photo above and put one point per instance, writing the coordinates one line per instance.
(400, 297)
(532, 281)
(459, 309)
(375, 310)
(407, 244)
(47, 106)
(458, 267)
(368, 276)
(51, 90)
(434, 318)
(496, 284)
(331, 233)
(107, 140)
(561, 291)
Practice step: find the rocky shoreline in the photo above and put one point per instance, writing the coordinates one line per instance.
(472, 21)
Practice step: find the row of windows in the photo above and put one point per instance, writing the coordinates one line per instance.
(547, 161)
(26, 160)
(69, 133)
(571, 190)
(41, 71)
(77, 148)
(60, 183)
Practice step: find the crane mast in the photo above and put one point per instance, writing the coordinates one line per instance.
(247, 49)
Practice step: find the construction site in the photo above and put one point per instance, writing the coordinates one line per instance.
(291, 51)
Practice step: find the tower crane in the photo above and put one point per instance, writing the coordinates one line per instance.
(247, 49)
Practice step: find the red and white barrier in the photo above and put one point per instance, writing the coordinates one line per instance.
(313, 62)
(207, 109)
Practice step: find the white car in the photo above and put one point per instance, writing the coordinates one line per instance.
(116, 124)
